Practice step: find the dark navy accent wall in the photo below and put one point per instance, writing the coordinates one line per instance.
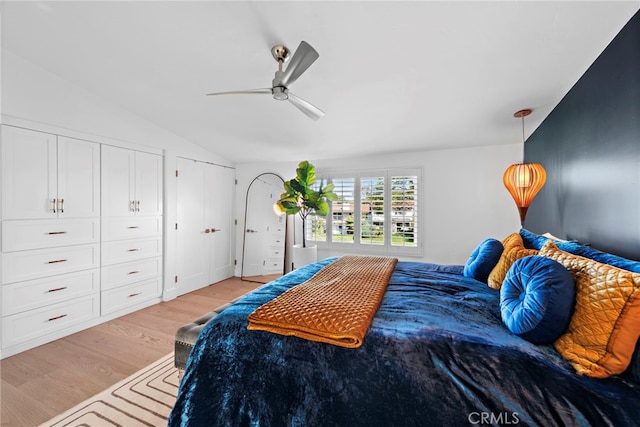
(590, 148)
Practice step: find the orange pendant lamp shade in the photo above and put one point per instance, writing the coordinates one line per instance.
(523, 181)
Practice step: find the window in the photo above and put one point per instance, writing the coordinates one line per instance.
(376, 211)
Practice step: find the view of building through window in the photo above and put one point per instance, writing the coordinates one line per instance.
(378, 209)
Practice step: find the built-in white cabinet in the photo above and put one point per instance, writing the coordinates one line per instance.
(131, 183)
(81, 235)
(50, 236)
(131, 228)
(81, 232)
(47, 176)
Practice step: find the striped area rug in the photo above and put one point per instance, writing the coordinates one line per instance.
(143, 399)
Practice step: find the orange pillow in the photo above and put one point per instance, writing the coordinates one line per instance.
(513, 250)
(605, 325)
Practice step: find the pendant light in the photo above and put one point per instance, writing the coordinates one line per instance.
(524, 180)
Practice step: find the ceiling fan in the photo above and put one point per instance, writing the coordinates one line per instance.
(302, 59)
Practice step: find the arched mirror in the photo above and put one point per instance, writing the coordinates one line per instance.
(265, 230)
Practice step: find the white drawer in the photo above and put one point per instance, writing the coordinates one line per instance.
(130, 272)
(274, 265)
(276, 252)
(39, 234)
(34, 324)
(126, 296)
(130, 228)
(23, 296)
(129, 250)
(33, 264)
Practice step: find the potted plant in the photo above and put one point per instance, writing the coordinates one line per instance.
(301, 198)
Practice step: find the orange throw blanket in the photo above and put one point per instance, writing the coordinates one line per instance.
(335, 306)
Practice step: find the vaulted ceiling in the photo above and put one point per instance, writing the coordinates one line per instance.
(391, 76)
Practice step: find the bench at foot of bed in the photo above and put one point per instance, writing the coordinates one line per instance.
(186, 335)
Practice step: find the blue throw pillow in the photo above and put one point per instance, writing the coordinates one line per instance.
(537, 299)
(483, 259)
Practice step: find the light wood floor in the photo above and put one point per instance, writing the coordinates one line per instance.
(42, 382)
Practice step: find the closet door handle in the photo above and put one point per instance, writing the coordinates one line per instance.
(55, 261)
(213, 230)
(137, 205)
(207, 230)
(54, 202)
(132, 206)
(61, 205)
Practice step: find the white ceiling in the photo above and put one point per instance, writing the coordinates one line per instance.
(391, 77)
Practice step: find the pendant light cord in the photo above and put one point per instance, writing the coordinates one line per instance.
(523, 151)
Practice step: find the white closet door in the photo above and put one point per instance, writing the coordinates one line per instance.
(193, 242)
(218, 207)
(29, 174)
(117, 181)
(78, 178)
(148, 184)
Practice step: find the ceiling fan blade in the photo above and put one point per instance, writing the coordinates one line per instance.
(311, 111)
(302, 59)
(243, 92)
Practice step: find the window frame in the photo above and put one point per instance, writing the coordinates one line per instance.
(387, 248)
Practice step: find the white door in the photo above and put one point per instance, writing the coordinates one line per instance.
(148, 184)
(78, 178)
(118, 165)
(205, 224)
(218, 207)
(29, 174)
(193, 242)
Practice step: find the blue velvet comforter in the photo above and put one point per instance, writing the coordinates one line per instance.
(436, 354)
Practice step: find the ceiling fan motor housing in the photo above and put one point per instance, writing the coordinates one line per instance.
(279, 91)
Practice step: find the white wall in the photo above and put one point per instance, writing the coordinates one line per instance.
(463, 198)
(37, 99)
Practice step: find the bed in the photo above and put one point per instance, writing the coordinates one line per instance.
(437, 352)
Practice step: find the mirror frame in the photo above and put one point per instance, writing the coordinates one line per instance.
(244, 229)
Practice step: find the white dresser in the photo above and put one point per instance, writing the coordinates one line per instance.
(50, 235)
(81, 235)
(131, 228)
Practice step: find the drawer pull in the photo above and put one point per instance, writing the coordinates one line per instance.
(57, 232)
(55, 261)
(133, 249)
(51, 319)
(57, 289)
(134, 295)
(134, 272)
(133, 226)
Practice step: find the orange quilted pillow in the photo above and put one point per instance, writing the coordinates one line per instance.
(605, 326)
(513, 250)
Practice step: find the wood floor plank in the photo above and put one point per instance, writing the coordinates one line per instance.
(40, 383)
